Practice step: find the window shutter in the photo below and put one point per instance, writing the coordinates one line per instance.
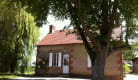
(56, 59)
(50, 59)
(89, 61)
(59, 59)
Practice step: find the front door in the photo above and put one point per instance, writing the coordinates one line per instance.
(65, 66)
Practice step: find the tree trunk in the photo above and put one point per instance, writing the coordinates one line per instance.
(12, 68)
(99, 55)
(99, 66)
(126, 37)
(13, 65)
(94, 71)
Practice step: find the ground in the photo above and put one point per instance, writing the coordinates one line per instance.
(47, 78)
(128, 77)
(131, 77)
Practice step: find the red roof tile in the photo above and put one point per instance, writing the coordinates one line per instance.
(61, 37)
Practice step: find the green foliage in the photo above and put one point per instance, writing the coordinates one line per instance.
(130, 17)
(38, 8)
(116, 44)
(132, 53)
(126, 68)
(129, 54)
(18, 34)
(95, 14)
(134, 44)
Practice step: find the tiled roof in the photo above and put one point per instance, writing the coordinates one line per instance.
(61, 37)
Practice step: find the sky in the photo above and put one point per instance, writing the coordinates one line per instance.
(52, 21)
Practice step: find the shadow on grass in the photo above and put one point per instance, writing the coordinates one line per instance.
(64, 76)
(12, 76)
(4, 79)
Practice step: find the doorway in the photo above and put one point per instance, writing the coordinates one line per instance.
(65, 67)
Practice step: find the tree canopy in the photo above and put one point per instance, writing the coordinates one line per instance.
(18, 34)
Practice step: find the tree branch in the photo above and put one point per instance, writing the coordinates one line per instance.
(75, 17)
(84, 26)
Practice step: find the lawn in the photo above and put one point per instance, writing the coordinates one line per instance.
(8, 76)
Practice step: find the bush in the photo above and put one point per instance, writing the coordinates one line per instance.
(126, 68)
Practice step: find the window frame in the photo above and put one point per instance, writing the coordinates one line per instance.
(55, 59)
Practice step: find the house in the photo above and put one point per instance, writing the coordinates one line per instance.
(62, 54)
(135, 65)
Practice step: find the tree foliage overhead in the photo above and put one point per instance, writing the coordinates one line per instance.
(38, 8)
(90, 10)
(18, 34)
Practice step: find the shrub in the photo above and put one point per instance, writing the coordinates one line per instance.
(126, 68)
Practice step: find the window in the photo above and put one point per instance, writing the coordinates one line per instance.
(55, 59)
(89, 64)
(66, 59)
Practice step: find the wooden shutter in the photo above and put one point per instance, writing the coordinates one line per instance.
(59, 59)
(50, 59)
(89, 61)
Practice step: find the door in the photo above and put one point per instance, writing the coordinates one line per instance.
(65, 67)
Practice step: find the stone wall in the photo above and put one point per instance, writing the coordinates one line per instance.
(78, 61)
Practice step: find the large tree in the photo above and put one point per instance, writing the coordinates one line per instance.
(94, 20)
(18, 34)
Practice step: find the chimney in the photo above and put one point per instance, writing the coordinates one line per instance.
(51, 29)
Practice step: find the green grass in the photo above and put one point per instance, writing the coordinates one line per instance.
(7, 77)
(29, 73)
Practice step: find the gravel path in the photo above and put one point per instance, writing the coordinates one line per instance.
(128, 77)
(131, 77)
